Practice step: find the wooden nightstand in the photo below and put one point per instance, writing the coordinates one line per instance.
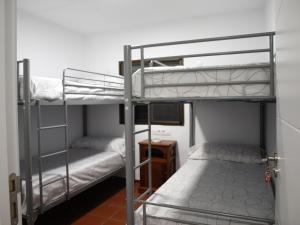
(163, 162)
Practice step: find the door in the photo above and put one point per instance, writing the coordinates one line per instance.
(9, 157)
(288, 108)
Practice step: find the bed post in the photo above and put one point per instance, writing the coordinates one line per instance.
(129, 135)
(262, 127)
(27, 141)
(84, 121)
(272, 70)
(192, 124)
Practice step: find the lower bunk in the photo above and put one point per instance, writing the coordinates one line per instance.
(218, 185)
(91, 160)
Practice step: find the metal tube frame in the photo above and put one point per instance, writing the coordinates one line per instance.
(40, 156)
(149, 149)
(192, 124)
(129, 119)
(27, 139)
(272, 65)
(67, 160)
(106, 84)
(209, 83)
(233, 37)
(209, 68)
(129, 129)
(262, 128)
(246, 219)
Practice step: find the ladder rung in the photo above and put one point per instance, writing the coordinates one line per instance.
(52, 127)
(141, 131)
(53, 181)
(142, 164)
(148, 191)
(53, 154)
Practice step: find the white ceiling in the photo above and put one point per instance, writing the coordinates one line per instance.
(90, 16)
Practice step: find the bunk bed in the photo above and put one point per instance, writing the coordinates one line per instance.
(185, 197)
(52, 177)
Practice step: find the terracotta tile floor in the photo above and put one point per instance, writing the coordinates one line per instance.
(103, 204)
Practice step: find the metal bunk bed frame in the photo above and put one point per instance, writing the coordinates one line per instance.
(131, 101)
(27, 102)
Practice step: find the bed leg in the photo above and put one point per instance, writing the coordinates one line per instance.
(129, 129)
(144, 214)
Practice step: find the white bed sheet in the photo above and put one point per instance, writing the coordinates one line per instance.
(51, 89)
(222, 186)
(183, 74)
(86, 166)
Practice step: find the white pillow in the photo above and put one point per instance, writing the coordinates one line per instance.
(101, 144)
(227, 152)
(98, 143)
(117, 145)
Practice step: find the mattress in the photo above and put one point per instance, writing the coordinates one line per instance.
(216, 185)
(86, 166)
(181, 75)
(51, 89)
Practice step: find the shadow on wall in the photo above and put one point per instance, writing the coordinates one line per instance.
(227, 122)
(103, 120)
(51, 140)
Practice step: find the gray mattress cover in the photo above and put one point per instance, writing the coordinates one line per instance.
(86, 166)
(221, 186)
(180, 75)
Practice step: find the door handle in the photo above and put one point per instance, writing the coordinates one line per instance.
(274, 158)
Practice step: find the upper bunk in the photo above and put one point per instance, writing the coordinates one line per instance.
(246, 81)
(77, 87)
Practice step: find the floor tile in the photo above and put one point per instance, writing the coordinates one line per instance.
(114, 222)
(118, 200)
(104, 204)
(89, 219)
(105, 210)
(120, 215)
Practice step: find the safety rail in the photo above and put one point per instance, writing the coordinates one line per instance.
(236, 218)
(106, 84)
(270, 65)
(131, 101)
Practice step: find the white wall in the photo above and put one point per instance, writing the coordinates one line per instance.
(227, 122)
(49, 47)
(106, 49)
(217, 122)
(270, 11)
(104, 120)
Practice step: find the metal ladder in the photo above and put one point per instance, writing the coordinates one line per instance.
(149, 160)
(42, 157)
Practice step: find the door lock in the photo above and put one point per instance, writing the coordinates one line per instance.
(276, 172)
